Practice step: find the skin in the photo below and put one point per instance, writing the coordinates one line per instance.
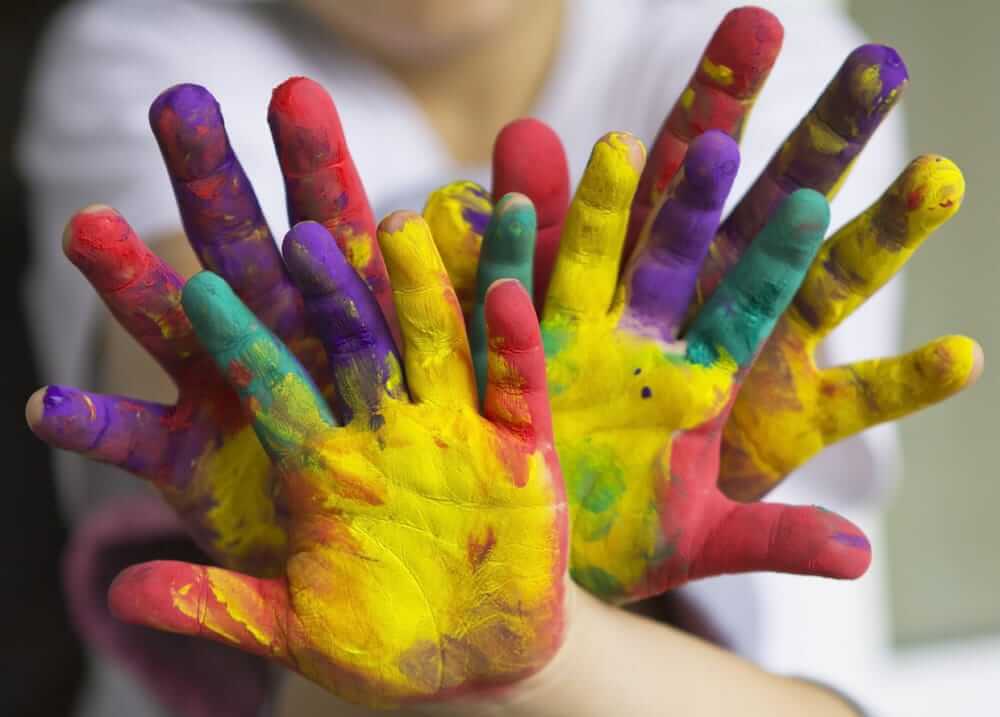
(428, 549)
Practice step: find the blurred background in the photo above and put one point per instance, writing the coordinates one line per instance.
(943, 534)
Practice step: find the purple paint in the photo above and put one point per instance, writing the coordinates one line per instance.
(852, 540)
(343, 313)
(664, 273)
(219, 209)
(863, 92)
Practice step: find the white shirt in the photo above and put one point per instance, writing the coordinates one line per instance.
(620, 66)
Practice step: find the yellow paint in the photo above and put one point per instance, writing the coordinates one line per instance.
(720, 74)
(358, 248)
(456, 239)
(606, 432)
(236, 479)
(594, 232)
(821, 137)
(687, 99)
(438, 363)
(788, 409)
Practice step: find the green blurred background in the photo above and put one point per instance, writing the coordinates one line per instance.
(944, 534)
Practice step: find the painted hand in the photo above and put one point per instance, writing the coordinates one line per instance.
(201, 453)
(427, 542)
(788, 409)
(639, 403)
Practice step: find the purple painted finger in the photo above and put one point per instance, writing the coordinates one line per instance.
(342, 311)
(219, 208)
(818, 154)
(322, 183)
(663, 274)
(130, 434)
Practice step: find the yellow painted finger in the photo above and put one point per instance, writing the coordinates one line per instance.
(436, 353)
(586, 270)
(860, 258)
(457, 214)
(866, 394)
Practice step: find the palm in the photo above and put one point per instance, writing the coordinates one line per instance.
(427, 545)
(617, 411)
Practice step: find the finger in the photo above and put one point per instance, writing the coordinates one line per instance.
(516, 392)
(234, 609)
(276, 392)
(820, 151)
(741, 314)
(322, 183)
(868, 393)
(133, 435)
(720, 96)
(343, 313)
(785, 539)
(457, 215)
(529, 158)
(586, 269)
(219, 209)
(142, 292)
(662, 276)
(860, 258)
(436, 357)
(507, 253)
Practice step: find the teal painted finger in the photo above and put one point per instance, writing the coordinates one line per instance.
(276, 391)
(742, 312)
(508, 253)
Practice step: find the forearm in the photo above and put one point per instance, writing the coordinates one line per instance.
(616, 663)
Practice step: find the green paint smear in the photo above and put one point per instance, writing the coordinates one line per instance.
(596, 581)
(594, 477)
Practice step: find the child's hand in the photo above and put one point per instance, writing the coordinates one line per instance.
(788, 409)
(427, 542)
(638, 404)
(201, 453)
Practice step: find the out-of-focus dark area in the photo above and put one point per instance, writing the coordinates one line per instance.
(41, 663)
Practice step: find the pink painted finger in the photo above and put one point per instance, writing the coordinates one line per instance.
(720, 95)
(234, 609)
(133, 435)
(142, 292)
(516, 391)
(219, 208)
(529, 158)
(322, 183)
(802, 540)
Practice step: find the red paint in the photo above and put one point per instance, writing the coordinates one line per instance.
(239, 375)
(528, 157)
(747, 42)
(322, 183)
(915, 198)
(103, 246)
(478, 550)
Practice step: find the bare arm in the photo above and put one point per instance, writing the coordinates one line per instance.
(615, 663)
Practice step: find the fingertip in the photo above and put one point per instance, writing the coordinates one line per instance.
(101, 244)
(743, 50)
(933, 188)
(187, 122)
(612, 172)
(529, 157)
(710, 167)
(510, 313)
(806, 213)
(306, 126)
(410, 254)
(869, 83)
(847, 554)
(34, 409)
(141, 594)
(978, 364)
(953, 363)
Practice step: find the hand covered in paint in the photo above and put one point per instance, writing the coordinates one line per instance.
(788, 409)
(202, 453)
(427, 542)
